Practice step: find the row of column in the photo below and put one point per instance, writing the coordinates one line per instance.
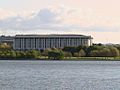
(43, 43)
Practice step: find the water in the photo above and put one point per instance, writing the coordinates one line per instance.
(59, 75)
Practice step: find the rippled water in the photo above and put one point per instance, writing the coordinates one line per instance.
(59, 75)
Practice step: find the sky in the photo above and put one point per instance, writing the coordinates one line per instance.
(98, 18)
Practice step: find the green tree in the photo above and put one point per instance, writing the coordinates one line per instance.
(67, 54)
(21, 55)
(72, 50)
(45, 52)
(33, 54)
(82, 53)
(114, 52)
(12, 54)
(96, 47)
(55, 55)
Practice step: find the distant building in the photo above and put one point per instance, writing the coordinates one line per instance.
(7, 39)
(41, 42)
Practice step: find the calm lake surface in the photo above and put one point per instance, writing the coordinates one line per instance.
(59, 75)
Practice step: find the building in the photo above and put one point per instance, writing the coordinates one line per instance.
(41, 42)
(7, 39)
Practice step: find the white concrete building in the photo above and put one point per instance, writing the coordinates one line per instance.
(41, 42)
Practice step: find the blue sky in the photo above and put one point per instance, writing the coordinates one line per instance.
(101, 19)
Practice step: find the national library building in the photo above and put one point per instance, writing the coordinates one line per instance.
(42, 42)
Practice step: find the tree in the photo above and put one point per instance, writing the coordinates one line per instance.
(95, 47)
(55, 55)
(4, 46)
(12, 54)
(82, 53)
(105, 52)
(33, 54)
(72, 50)
(94, 53)
(21, 54)
(114, 52)
(45, 52)
(67, 54)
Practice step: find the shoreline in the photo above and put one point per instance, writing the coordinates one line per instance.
(60, 60)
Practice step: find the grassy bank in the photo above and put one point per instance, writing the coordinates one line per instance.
(92, 58)
(84, 58)
(69, 59)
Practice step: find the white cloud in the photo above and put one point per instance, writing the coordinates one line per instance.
(45, 19)
(53, 19)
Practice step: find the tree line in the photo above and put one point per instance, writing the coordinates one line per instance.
(96, 50)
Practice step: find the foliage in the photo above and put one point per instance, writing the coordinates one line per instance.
(105, 52)
(67, 54)
(45, 52)
(33, 54)
(55, 54)
(96, 50)
(4, 46)
(72, 50)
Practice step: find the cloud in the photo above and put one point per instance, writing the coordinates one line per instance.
(47, 19)
(43, 18)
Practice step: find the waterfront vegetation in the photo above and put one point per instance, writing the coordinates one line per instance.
(94, 52)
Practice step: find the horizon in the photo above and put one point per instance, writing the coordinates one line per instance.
(99, 19)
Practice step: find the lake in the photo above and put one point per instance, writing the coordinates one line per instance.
(59, 75)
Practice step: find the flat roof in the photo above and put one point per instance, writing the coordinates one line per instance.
(52, 35)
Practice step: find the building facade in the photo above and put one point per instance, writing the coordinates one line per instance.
(41, 42)
(7, 39)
